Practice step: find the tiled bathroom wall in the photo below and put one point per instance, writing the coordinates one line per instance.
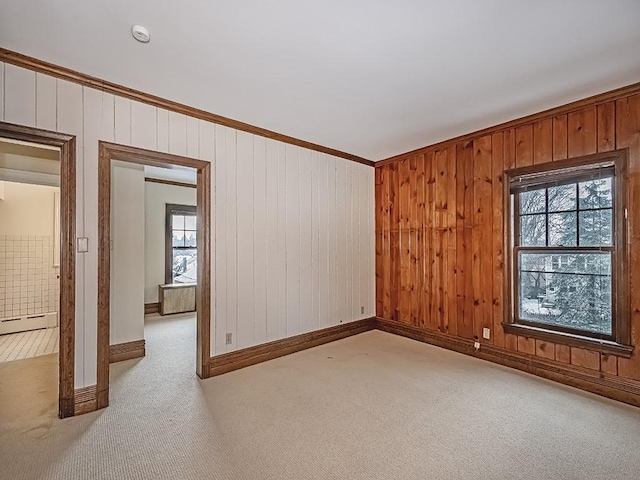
(29, 282)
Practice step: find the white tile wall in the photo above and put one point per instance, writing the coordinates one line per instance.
(29, 282)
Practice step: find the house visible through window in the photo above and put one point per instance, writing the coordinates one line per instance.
(567, 245)
(181, 248)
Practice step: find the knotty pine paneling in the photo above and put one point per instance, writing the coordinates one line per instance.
(441, 267)
(293, 242)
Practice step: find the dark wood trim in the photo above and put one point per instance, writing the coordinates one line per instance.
(150, 308)
(611, 386)
(228, 362)
(603, 346)
(67, 145)
(69, 75)
(546, 114)
(126, 351)
(85, 400)
(106, 153)
(169, 182)
(170, 209)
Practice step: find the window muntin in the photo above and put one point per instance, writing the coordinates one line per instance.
(563, 254)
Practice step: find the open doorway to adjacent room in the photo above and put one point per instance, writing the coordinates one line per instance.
(154, 263)
(36, 278)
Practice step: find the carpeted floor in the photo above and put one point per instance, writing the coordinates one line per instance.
(374, 406)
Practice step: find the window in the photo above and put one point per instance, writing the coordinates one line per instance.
(568, 250)
(181, 252)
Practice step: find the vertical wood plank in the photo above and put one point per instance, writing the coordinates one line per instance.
(585, 358)
(563, 353)
(464, 247)
(315, 240)
(20, 96)
(497, 169)
(524, 145)
(581, 132)
(380, 251)
(543, 141)
(609, 364)
(628, 136)
(526, 345)
(606, 122)
(394, 241)
(46, 102)
(441, 305)
(451, 237)
(560, 141)
(545, 349)
(482, 242)
(419, 288)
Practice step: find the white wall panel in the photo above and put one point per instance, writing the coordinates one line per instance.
(292, 230)
(122, 121)
(163, 130)
(245, 213)
(220, 251)
(20, 99)
(306, 274)
(193, 137)
(46, 102)
(2, 74)
(177, 133)
(292, 239)
(231, 232)
(144, 129)
(259, 303)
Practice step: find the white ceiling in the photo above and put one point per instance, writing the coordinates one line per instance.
(174, 174)
(370, 77)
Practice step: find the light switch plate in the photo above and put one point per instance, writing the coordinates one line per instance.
(83, 244)
(486, 333)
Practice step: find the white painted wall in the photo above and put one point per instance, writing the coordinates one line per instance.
(156, 197)
(127, 258)
(293, 234)
(27, 209)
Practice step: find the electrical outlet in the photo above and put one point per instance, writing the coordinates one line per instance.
(486, 333)
(361, 309)
(229, 338)
(476, 345)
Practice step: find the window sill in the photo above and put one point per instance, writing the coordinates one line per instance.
(603, 346)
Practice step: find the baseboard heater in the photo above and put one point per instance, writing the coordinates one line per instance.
(28, 322)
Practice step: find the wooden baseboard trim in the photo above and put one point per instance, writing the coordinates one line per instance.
(126, 351)
(85, 400)
(228, 362)
(623, 390)
(151, 308)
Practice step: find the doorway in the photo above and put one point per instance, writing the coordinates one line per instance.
(109, 153)
(66, 237)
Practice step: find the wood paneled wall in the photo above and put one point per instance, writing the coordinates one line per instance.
(293, 229)
(439, 226)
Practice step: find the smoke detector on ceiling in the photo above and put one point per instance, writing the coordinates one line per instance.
(140, 33)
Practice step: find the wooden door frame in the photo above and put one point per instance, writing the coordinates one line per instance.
(66, 355)
(106, 153)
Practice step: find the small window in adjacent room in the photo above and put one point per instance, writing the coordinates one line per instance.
(181, 248)
(567, 233)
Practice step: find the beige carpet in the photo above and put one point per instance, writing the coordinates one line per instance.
(375, 406)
